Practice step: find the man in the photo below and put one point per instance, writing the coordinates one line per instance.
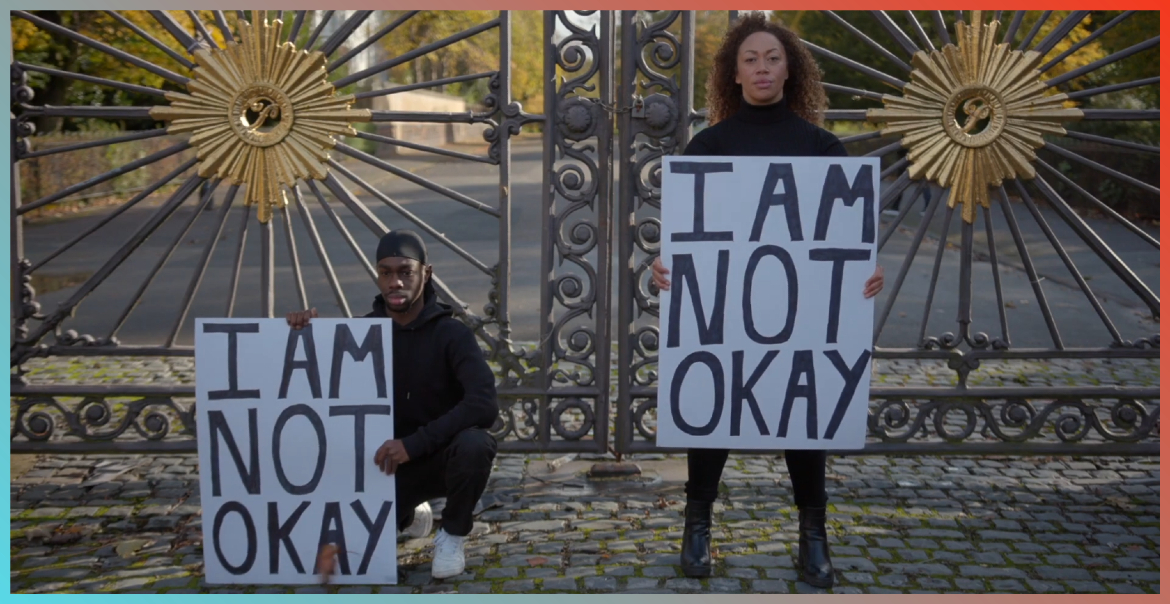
(444, 400)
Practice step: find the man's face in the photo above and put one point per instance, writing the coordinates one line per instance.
(401, 281)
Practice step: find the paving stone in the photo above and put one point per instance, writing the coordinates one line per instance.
(501, 572)
(919, 569)
(59, 573)
(171, 582)
(934, 583)
(1085, 586)
(559, 584)
(985, 571)
(521, 585)
(641, 583)
(759, 560)
(606, 584)
(1126, 588)
(684, 584)
(474, 588)
(1126, 575)
(1007, 585)
(859, 564)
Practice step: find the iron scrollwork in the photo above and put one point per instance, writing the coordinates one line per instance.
(577, 181)
(1070, 419)
(41, 418)
(654, 84)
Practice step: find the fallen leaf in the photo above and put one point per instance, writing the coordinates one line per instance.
(127, 548)
(537, 561)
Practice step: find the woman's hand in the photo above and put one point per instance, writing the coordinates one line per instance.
(659, 274)
(875, 283)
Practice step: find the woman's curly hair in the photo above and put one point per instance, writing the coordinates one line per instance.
(803, 90)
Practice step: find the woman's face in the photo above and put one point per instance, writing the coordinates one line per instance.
(761, 69)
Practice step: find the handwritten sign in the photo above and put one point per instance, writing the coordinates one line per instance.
(766, 336)
(289, 421)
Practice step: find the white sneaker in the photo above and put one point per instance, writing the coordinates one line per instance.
(448, 560)
(423, 521)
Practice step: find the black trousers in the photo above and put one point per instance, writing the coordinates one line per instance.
(806, 468)
(458, 472)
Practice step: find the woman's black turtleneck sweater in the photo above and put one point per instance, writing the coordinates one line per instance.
(769, 130)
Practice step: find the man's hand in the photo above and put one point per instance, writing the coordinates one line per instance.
(390, 455)
(875, 283)
(299, 319)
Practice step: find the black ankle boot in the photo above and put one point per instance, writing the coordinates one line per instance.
(813, 562)
(696, 541)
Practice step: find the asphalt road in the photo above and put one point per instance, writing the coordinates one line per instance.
(477, 233)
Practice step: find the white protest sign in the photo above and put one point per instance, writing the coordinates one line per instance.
(289, 422)
(765, 336)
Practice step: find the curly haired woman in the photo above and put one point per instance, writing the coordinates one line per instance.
(764, 98)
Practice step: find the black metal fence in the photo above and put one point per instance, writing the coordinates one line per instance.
(611, 112)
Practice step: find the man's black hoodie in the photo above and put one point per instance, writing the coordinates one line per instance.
(442, 384)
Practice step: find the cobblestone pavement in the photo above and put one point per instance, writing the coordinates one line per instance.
(924, 524)
(898, 524)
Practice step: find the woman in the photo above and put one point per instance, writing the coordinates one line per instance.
(764, 98)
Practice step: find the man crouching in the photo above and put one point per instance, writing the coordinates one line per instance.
(444, 398)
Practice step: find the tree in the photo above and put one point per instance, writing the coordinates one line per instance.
(35, 46)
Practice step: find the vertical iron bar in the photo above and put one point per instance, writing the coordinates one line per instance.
(298, 21)
(189, 43)
(1026, 258)
(201, 28)
(942, 247)
(292, 255)
(1003, 322)
(163, 258)
(267, 279)
(1086, 40)
(117, 212)
(913, 197)
(149, 38)
(966, 255)
(923, 226)
(602, 350)
(686, 98)
(204, 261)
(940, 26)
(1060, 31)
(1122, 220)
(1009, 37)
(1035, 30)
(548, 228)
(860, 35)
(1098, 245)
(322, 255)
(357, 250)
(224, 28)
(627, 219)
(504, 96)
(239, 265)
(16, 241)
(921, 33)
(345, 31)
(1068, 263)
(896, 32)
(317, 31)
(66, 308)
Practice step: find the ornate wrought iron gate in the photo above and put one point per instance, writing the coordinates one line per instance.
(598, 211)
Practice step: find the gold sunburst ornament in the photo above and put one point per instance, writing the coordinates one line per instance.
(261, 113)
(973, 115)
